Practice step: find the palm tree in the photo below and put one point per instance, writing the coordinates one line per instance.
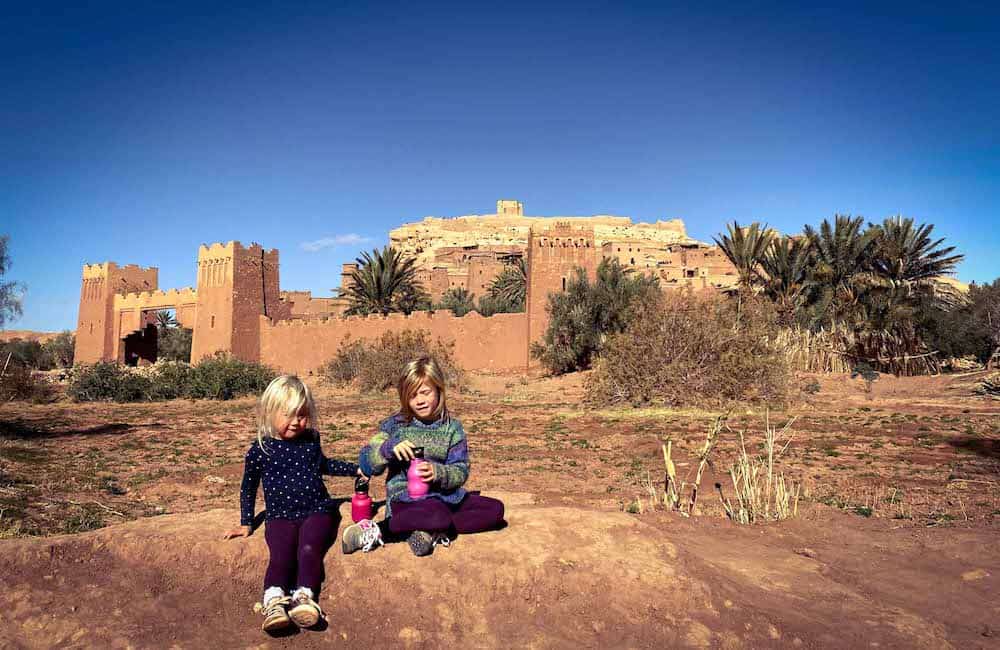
(905, 253)
(786, 267)
(842, 267)
(164, 319)
(385, 281)
(745, 246)
(905, 256)
(510, 285)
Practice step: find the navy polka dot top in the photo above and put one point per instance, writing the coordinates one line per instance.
(292, 474)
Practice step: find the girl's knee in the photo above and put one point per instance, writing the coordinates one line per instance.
(496, 506)
(437, 521)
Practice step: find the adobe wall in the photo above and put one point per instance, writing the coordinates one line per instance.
(302, 303)
(482, 272)
(135, 311)
(499, 342)
(95, 322)
(553, 255)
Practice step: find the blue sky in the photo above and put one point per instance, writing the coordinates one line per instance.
(135, 132)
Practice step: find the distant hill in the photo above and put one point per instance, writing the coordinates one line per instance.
(28, 335)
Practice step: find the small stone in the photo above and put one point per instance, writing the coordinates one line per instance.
(975, 574)
(805, 551)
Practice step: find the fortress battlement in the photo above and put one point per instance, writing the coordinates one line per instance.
(158, 299)
(416, 318)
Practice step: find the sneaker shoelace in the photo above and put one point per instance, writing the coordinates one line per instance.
(274, 605)
(371, 536)
(441, 540)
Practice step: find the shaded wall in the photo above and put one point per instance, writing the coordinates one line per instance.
(499, 342)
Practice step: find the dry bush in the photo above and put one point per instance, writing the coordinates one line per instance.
(374, 365)
(810, 351)
(20, 383)
(761, 492)
(685, 348)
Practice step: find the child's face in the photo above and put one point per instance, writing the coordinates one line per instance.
(425, 401)
(288, 426)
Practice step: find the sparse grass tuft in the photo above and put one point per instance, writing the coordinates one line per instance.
(762, 494)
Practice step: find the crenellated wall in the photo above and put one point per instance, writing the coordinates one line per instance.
(99, 286)
(499, 342)
(135, 311)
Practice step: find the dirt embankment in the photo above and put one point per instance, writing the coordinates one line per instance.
(556, 577)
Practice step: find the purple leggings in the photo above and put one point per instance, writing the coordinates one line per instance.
(297, 548)
(473, 514)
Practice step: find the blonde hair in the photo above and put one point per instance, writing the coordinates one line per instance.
(286, 395)
(416, 372)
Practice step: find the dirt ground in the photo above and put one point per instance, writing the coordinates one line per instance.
(110, 514)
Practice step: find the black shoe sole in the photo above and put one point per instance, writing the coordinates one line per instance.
(419, 547)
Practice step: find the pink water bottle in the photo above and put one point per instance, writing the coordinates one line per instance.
(415, 485)
(361, 503)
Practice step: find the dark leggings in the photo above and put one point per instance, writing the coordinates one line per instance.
(297, 548)
(473, 514)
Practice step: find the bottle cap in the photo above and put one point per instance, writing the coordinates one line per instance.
(361, 484)
(418, 452)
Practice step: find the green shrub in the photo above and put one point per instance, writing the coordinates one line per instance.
(685, 348)
(95, 383)
(582, 316)
(170, 380)
(108, 382)
(173, 344)
(458, 301)
(218, 377)
(376, 365)
(225, 377)
(60, 349)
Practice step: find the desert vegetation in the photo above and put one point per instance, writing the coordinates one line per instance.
(586, 313)
(385, 282)
(220, 377)
(374, 365)
(686, 348)
(873, 290)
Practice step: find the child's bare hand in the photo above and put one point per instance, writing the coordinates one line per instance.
(242, 531)
(404, 450)
(426, 472)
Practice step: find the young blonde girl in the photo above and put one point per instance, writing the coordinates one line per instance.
(423, 421)
(300, 523)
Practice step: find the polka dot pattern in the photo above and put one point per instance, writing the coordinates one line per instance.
(291, 472)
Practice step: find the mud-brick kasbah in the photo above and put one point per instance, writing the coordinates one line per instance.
(238, 305)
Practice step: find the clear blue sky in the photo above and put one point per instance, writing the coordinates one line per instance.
(135, 132)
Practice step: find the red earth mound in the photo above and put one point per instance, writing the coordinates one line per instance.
(555, 577)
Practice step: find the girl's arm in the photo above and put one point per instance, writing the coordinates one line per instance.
(334, 467)
(375, 456)
(455, 470)
(252, 467)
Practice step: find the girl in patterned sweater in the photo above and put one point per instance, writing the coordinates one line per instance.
(300, 523)
(423, 421)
